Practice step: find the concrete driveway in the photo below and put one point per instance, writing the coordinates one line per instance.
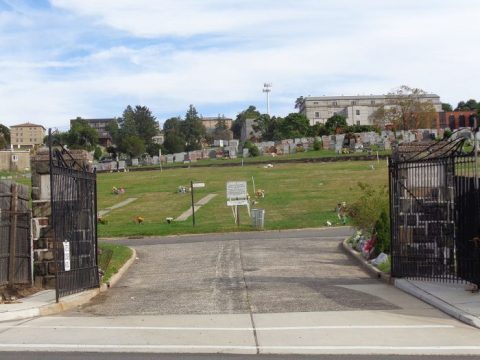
(267, 272)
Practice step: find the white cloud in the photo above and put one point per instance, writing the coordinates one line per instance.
(102, 55)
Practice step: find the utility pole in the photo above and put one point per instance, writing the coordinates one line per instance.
(267, 88)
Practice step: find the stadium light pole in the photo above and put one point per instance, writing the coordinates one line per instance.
(267, 88)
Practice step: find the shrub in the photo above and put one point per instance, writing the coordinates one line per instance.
(317, 145)
(253, 151)
(382, 230)
(367, 209)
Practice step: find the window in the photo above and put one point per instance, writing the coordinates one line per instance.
(334, 103)
(372, 102)
(317, 114)
(358, 122)
(357, 112)
(315, 103)
(354, 102)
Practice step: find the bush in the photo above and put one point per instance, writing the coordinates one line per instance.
(382, 230)
(97, 154)
(253, 151)
(252, 148)
(365, 212)
(317, 145)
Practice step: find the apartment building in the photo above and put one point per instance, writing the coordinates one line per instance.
(26, 135)
(357, 109)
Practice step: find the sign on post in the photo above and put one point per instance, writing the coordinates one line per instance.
(237, 195)
(66, 255)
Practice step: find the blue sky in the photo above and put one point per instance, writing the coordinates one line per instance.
(60, 59)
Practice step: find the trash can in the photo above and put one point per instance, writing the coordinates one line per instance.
(258, 218)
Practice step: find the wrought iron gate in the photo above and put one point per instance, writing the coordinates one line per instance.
(74, 221)
(435, 212)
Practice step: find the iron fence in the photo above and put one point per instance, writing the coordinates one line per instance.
(74, 209)
(434, 203)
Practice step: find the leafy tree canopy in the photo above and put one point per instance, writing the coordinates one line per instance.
(294, 126)
(81, 135)
(447, 107)
(406, 108)
(193, 129)
(250, 113)
(334, 122)
(4, 136)
(268, 127)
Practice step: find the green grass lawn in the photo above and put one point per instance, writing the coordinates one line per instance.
(111, 258)
(297, 196)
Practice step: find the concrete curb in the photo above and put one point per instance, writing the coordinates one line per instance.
(68, 302)
(113, 239)
(372, 270)
(436, 302)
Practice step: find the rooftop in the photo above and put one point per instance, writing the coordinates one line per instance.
(28, 125)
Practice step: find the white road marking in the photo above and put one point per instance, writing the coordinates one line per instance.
(177, 328)
(236, 347)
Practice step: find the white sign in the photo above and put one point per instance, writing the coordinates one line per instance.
(237, 202)
(236, 189)
(198, 185)
(66, 255)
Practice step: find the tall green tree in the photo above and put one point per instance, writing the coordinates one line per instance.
(334, 122)
(294, 125)
(193, 129)
(221, 131)
(447, 107)
(81, 135)
(299, 102)
(406, 108)
(4, 136)
(250, 113)
(135, 124)
(268, 127)
(174, 139)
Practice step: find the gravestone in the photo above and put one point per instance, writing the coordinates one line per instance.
(135, 162)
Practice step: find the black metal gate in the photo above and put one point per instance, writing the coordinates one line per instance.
(74, 221)
(435, 212)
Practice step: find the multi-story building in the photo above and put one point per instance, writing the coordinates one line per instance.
(455, 119)
(26, 135)
(211, 122)
(357, 109)
(104, 137)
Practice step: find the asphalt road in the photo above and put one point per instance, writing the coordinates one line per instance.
(282, 293)
(276, 272)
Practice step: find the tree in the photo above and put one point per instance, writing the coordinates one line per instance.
(294, 126)
(250, 113)
(135, 124)
(334, 122)
(134, 146)
(268, 127)
(406, 108)
(318, 130)
(470, 105)
(193, 130)
(174, 139)
(299, 102)
(447, 107)
(4, 136)
(221, 131)
(81, 135)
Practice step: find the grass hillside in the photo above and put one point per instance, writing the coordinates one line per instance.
(297, 196)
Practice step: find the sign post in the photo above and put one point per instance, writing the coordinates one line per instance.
(193, 204)
(237, 196)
